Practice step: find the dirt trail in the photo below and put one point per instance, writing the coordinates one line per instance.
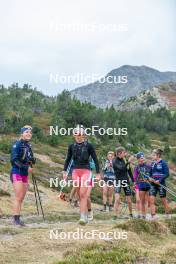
(35, 244)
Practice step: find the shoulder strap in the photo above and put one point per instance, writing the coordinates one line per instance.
(24, 152)
(140, 173)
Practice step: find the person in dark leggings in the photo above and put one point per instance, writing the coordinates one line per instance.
(122, 171)
(159, 173)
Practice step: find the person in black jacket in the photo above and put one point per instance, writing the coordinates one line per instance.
(80, 152)
(122, 172)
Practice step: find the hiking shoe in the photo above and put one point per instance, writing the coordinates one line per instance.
(107, 209)
(148, 216)
(82, 221)
(19, 223)
(138, 216)
(90, 215)
(168, 216)
(143, 217)
(131, 216)
(104, 208)
(71, 203)
(76, 204)
(154, 217)
(110, 208)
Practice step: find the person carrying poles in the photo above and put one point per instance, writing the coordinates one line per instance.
(158, 175)
(21, 158)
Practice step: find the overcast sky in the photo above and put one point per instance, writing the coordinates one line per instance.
(35, 45)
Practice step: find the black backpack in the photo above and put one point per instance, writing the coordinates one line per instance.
(80, 152)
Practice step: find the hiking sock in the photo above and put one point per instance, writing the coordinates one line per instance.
(83, 216)
(83, 219)
(168, 216)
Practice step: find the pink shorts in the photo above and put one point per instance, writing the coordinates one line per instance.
(18, 177)
(82, 177)
(137, 187)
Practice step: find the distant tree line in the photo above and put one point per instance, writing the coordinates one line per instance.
(19, 106)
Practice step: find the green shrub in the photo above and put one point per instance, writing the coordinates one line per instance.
(98, 254)
(151, 100)
(4, 193)
(142, 226)
(5, 146)
(173, 156)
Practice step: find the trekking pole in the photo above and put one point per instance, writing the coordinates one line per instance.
(169, 186)
(36, 201)
(38, 194)
(61, 190)
(164, 187)
(168, 190)
(69, 166)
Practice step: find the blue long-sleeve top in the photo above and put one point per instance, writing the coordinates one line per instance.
(159, 170)
(21, 155)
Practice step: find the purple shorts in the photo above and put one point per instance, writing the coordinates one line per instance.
(19, 177)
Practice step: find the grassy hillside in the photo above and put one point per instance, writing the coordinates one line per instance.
(33, 244)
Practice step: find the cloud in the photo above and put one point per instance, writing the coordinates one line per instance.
(34, 44)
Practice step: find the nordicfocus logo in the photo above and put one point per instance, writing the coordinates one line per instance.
(89, 131)
(87, 27)
(81, 78)
(56, 182)
(80, 234)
